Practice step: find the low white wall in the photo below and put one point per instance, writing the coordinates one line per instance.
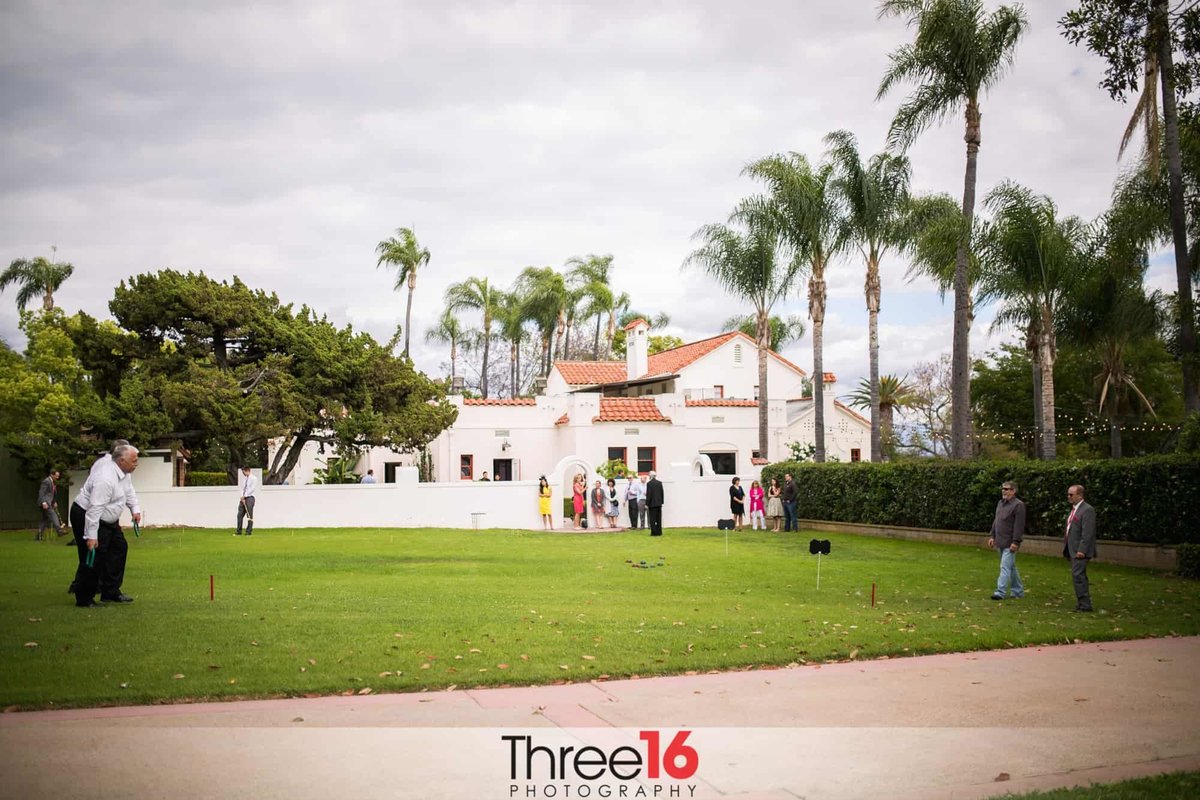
(689, 502)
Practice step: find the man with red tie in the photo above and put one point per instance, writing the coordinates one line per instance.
(1079, 544)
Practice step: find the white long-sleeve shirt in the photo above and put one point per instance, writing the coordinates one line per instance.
(85, 491)
(107, 492)
(250, 487)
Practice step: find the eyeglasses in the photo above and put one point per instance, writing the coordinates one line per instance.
(1007, 489)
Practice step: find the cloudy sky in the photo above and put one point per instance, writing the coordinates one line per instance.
(281, 141)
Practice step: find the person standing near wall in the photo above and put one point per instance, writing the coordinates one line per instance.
(46, 492)
(737, 503)
(578, 487)
(369, 477)
(1008, 530)
(757, 506)
(654, 503)
(598, 500)
(246, 502)
(612, 504)
(790, 496)
(631, 501)
(774, 505)
(544, 496)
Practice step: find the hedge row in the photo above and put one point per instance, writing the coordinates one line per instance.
(1155, 499)
(207, 479)
(1189, 561)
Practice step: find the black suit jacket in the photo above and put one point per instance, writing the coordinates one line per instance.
(654, 493)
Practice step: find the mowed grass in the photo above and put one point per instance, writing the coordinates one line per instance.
(320, 611)
(1172, 786)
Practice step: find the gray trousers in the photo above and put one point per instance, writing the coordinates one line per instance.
(1080, 580)
(246, 506)
(49, 520)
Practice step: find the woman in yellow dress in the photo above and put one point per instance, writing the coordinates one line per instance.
(544, 503)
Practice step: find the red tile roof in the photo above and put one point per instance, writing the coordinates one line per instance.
(759, 461)
(830, 377)
(629, 409)
(722, 403)
(563, 420)
(500, 401)
(585, 373)
(668, 362)
(634, 324)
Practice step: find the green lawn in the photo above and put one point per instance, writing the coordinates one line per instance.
(1172, 786)
(325, 611)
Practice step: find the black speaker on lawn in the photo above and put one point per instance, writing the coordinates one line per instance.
(819, 546)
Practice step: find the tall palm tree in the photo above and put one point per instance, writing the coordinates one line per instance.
(403, 252)
(747, 265)
(35, 277)
(546, 296)
(800, 205)
(1030, 262)
(957, 53)
(591, 277)
(476, 294)
(874, 198)
(448, 331)
(892, 393)
(783, 330)
(514, 313)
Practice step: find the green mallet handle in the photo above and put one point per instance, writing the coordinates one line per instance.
(91, 558)
(137, 530)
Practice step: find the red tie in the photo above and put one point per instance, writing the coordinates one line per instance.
(1070, 519)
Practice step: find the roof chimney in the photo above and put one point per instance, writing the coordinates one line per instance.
(637, 349)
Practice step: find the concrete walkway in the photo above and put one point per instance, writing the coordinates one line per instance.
(949, 726)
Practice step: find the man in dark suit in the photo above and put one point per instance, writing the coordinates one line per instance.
(1079, 545)
(46, 492)
(654, 504)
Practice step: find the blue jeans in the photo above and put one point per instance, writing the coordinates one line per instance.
(789, 516)
(1009, 577)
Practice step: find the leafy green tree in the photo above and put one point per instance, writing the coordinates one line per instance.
(747, 265)
(662, 343)
(478, 295)
(546, 296)
(874, 202)
(801, 208)
(956, 54)
(592, 278)
(656, 321)
(1031, 260)
(782, 330)
(406, 256)
(1138, 39)
(35, 277)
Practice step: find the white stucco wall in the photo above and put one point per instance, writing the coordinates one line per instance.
(721, 368)
(690, 502)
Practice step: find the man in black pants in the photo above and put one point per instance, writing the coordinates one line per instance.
(654, 504)
(111, 492)
(75, 513)
(790, 495)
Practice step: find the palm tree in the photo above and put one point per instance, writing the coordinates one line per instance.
(783, 330)
(448, 331)
(404, 253)
(546, 296)
(892, 393)
(514, 313)
(477, 295)
(957, 53)
(801, 206)
(1031, 261)
(746, 264)
(591, 278)
(36, 277)
(874, 198)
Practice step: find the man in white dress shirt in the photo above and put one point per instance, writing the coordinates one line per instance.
(246, 502)
(75, 513)
(107, 492)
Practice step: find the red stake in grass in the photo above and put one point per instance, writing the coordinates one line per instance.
(212, 595)
(872, 595)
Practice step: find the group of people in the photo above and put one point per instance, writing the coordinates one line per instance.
(776, 504)
(642, 497)
(1079, 543)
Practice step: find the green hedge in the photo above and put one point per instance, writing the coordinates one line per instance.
(1189, 560)
(1155, 499)
(207, 479)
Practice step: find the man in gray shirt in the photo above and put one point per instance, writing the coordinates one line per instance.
(1008, 530)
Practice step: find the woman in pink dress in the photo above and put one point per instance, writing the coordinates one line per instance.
(577, 489)
(757, 506)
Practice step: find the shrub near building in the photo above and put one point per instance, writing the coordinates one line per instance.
(1154, 500)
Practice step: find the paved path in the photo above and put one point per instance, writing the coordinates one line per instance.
(934, 727)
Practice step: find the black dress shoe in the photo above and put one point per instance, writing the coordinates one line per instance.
(117, 598)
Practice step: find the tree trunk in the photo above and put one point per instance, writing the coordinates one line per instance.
(48, 299)
(1031, 347)
(873, 291)
(453, 358)
(412, 283)
(1046, 349)
(279, 473)
(596, 343)
(1183, 277)
(487, 343)
(1114, 438)
(960, 364)
(764, 336)
(886, 424)
(816, 310)
(514, 354)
